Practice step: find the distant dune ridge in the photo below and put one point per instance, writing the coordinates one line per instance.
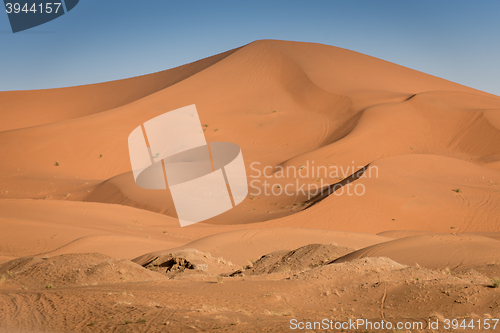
(430, 205)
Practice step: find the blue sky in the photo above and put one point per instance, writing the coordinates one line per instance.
(102, 40)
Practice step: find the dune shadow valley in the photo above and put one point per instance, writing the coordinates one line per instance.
(373, 194)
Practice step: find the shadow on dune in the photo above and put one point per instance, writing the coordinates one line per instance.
(328, 190)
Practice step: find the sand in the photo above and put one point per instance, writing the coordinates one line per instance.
(422, 241)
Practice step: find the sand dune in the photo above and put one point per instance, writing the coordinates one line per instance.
(39, 107)
(363, 111)
(303, 258)
(431, 196)
(72, 269)
(455, 252)
(31, 227)
(50, 227)
(412, 192)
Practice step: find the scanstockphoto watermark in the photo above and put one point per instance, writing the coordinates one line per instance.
(465, 325)
(357, 324)
(309, 179)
